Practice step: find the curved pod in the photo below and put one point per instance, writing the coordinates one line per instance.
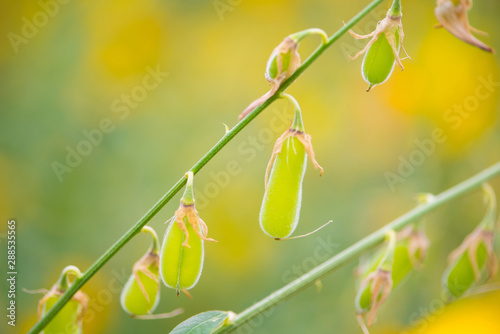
(132, 298)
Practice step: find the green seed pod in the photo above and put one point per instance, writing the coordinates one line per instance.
(411, 247)
(181, 257)
(181, 266)
(406, 259)
(382, 51)
(379, 61)
(403, 262)
(280, 210)
(410, 253)
(285, 59)
(141, 293)
(376, 284)
(69, 319)
(282, 63)
(460, 275)
(474, 260)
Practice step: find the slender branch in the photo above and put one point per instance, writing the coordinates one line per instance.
(77, 284)
(360, 247)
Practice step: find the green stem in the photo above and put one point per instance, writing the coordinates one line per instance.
(78, 283)
(396, 9)
(360, 247)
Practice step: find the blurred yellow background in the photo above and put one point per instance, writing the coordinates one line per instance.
(152, 82)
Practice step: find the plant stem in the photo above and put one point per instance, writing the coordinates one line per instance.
(395, 9)
(360, 247)
(78, 283)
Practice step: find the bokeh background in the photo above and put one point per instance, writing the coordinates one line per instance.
(75, 69)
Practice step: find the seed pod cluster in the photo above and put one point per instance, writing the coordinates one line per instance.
(182, 251)
(280, 210)
(382, 51)
(141, 293)
(474, 261)
(70, 319)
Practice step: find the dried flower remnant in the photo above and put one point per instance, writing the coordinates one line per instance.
(452, 15)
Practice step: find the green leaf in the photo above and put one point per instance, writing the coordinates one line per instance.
(202, 323)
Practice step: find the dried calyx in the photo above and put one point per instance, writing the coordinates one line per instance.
(149, 263)
(452, 15)
(296, 130)
(381, 53)
(392, 27)
(187, 210)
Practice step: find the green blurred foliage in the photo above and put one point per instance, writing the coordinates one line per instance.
(72, 74)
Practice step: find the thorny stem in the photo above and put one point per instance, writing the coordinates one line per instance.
(94, 268)
(354, 251)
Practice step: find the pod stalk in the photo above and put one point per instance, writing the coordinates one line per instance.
(155, 245)
(395, 10)
(488, 222)
(297, 125)
(188, 196)
(299, 36)
(388, 259)
(63, 281)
